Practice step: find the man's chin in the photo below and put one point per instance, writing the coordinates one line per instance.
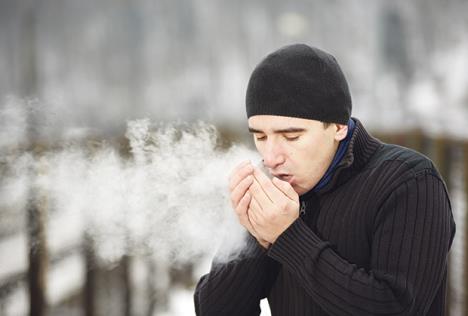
(299, 190)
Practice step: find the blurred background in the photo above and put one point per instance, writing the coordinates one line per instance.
(159, 85)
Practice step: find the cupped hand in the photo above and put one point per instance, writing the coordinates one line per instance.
(274, 206)
(240, 180)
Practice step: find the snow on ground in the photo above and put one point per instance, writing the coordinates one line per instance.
(181, 304)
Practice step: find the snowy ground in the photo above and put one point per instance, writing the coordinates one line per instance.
(181, 304)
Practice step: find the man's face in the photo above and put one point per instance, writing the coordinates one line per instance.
(296, 150)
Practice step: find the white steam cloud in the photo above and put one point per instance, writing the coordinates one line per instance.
(169, 199)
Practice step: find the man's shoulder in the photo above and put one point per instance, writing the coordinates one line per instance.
(401, 159)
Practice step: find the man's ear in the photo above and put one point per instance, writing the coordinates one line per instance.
(341, 132)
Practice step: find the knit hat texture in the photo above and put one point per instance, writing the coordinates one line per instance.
(299, 81)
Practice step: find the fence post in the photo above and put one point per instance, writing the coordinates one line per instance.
(90, 275)
(37, 255)
(37, 248)
(465, 243)
(126, 264)
(443, 158)
(442, 153)
(418, 141)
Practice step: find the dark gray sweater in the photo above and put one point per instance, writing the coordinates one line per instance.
(373, 241)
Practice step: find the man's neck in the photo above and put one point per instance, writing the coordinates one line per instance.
(339, 153)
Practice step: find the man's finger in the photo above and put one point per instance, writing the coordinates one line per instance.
(273, 193)
(255, 207)
(243, 205)
(242, 213)
(244, 218)
(239, 191)
(286, 188)
(259, 194)
(239, 174)
(254, 218)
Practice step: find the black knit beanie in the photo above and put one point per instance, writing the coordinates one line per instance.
(299, 81)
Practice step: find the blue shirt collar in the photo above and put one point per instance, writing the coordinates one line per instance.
(340, 152)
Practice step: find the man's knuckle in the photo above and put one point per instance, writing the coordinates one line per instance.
(283, 205)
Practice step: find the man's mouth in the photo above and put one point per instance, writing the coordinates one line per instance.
(284, 177)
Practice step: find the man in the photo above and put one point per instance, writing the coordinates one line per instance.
(348, 225)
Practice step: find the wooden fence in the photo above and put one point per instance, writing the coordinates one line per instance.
(35, 264)
(42, 274)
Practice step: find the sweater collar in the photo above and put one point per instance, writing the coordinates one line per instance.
(359, 150)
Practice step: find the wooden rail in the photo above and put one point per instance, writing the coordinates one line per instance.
(42, 257)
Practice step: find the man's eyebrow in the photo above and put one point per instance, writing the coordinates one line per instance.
(279, 131)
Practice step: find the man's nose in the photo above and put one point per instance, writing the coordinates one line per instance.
(272, 156)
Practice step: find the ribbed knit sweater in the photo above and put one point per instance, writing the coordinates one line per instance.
(373, 241)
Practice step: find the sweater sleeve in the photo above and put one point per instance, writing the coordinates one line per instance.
(236, 287)
(412, 233)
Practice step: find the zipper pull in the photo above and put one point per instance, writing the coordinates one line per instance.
(302, 210)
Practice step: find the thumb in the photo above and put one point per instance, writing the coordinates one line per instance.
(286, 188)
